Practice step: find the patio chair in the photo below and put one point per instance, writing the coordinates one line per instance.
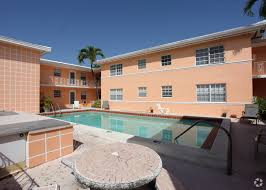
(251, 112)
(260, 139)
(105, 105)
(76, 105)
(162, 110)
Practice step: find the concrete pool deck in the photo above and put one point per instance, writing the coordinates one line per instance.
(192, 176)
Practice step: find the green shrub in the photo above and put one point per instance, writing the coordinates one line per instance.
(96, 104)
(262, 106)
(46, 103)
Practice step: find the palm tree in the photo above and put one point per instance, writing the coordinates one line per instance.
(250, 4)
(91, 53)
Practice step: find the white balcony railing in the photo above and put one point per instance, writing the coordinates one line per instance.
(259, 68)
(60, 81)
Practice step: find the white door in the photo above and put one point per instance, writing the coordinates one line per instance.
(72, 78)
(72, 97)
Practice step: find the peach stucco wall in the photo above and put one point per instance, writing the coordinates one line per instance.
(63, 101)
(49, 83)
(44, 146)
(47, 74)
(19, 78)
(183, 75)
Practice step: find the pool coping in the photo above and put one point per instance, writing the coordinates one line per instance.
(170, 116)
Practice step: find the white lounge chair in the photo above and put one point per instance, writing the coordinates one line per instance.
(162, 110)
(76, 105)
(251, 112)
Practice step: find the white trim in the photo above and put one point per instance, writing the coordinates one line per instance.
(191, 41)
(182, 68)
(259, 76)
(44, 49)
(174, 102)
(60, 64)
(66, 86)
(50, 152)
(70, 96)
(49, 137)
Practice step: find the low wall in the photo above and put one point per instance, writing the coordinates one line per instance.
(46, 145)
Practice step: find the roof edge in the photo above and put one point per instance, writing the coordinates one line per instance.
(187, 42)
(65, 65)
(44, 49)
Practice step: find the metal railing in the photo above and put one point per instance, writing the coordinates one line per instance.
(61, 81)
(229, 148)
(59, 109)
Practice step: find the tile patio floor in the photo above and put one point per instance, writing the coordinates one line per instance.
(192, 176)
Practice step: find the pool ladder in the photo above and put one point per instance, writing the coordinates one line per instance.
(229, 148)
(58, 109)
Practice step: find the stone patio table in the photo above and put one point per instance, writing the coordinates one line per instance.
(118, 166)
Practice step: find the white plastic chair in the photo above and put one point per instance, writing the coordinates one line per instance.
(76, 105)
(162, 110)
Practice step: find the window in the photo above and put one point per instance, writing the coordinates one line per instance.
(166, 91)
(212, 55)
(116, 94)
(57, 93)
(83, 79)
(142, 91)
(57, 73)
(83, 95)
(166, 60)
(142, 64)
(116, 70)
(211, 93)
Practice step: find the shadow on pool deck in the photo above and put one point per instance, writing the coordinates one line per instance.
(245, 167)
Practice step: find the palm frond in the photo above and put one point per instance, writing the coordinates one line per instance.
(248, 7)
(262, 10)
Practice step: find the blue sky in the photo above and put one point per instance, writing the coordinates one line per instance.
(115, 26)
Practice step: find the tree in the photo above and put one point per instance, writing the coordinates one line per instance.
(250, 4)
(91, 53)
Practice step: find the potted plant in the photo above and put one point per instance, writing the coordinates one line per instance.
(151, 110)
(47, 104)
(262, 107)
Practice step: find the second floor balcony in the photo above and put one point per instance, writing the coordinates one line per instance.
(67, 82)
(259, 69)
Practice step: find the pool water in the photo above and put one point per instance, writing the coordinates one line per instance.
(148, 127)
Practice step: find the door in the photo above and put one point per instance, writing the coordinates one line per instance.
(72, 97)
(72, 77)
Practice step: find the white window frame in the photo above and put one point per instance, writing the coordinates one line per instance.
(83, 93)
(209, 56)
(60, 94)
(210, 92)
(163, 91)
(163, 64)
(57, 69)
(142, 64)
(117, 93)
(83, 78)
(117, 70)
(142, 91)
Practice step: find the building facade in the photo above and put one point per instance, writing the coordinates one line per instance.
(25, 79)
(210, 75)
(65, 83)
(20, 75)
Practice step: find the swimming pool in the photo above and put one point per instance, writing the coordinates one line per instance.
(160, 129)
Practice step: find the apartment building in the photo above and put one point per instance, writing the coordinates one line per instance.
(25, 78)
(65, 83)
(20, 75)
(206, 75)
